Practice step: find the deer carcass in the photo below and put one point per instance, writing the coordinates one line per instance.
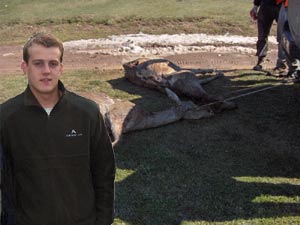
(125, 116)
(161, 74)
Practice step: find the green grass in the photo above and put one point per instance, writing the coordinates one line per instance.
(11, 85)
(16, 11)
(238, 167)
(98, 18)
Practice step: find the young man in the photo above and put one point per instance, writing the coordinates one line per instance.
(265, 12)
(58, 162)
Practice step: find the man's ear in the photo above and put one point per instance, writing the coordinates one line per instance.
(61, 68)
(24, 67)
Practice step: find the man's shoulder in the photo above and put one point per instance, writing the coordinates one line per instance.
(84, 104)
(11, 105)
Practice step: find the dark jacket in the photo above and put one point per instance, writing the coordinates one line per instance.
(266, 2)
(57, 169)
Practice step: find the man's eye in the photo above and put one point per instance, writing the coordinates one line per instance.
(37, 63)
(54, 64)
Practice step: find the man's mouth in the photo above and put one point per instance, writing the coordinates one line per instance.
(46, 80)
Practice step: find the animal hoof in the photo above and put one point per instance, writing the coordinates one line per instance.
(223, 105)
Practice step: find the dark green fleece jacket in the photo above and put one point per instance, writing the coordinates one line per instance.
(57, 169)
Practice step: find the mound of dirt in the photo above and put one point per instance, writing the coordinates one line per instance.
(193, 50)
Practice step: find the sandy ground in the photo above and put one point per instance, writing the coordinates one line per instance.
(194, 50)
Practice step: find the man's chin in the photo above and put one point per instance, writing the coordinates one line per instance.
(44, 90)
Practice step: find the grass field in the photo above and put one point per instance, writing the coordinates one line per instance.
(99, 18)
(238, 167)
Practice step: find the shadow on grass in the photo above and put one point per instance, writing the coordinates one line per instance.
(236, 165)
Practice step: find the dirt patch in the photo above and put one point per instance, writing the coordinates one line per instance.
(214, 52)
(11, 56)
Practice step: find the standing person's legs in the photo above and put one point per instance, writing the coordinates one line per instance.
(264, 23)
(281, 63)
(292, 52)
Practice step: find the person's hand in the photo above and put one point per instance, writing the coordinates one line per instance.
(253, 12)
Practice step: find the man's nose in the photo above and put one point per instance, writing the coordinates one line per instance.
(46, 68)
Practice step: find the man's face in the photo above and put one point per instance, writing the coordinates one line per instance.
(43, 69)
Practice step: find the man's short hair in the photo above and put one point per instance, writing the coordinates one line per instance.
(46, 40)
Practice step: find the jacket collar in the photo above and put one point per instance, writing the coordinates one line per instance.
(30, 99)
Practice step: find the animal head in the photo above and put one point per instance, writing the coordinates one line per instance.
(131, 67)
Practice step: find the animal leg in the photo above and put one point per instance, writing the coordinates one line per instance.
(186, 83)
(209, 79)
(201, 71)
(173, 96)
(125, 116)
(156, 119)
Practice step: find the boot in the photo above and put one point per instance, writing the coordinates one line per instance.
(258, 65)
(295, 76)
(280, 69)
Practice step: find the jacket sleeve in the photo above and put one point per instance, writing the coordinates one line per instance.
(103, 172)
(7, 212)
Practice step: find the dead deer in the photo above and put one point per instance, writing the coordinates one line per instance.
(162, 74)
(124, 116)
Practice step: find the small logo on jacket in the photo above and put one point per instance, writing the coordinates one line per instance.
(73, 133)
